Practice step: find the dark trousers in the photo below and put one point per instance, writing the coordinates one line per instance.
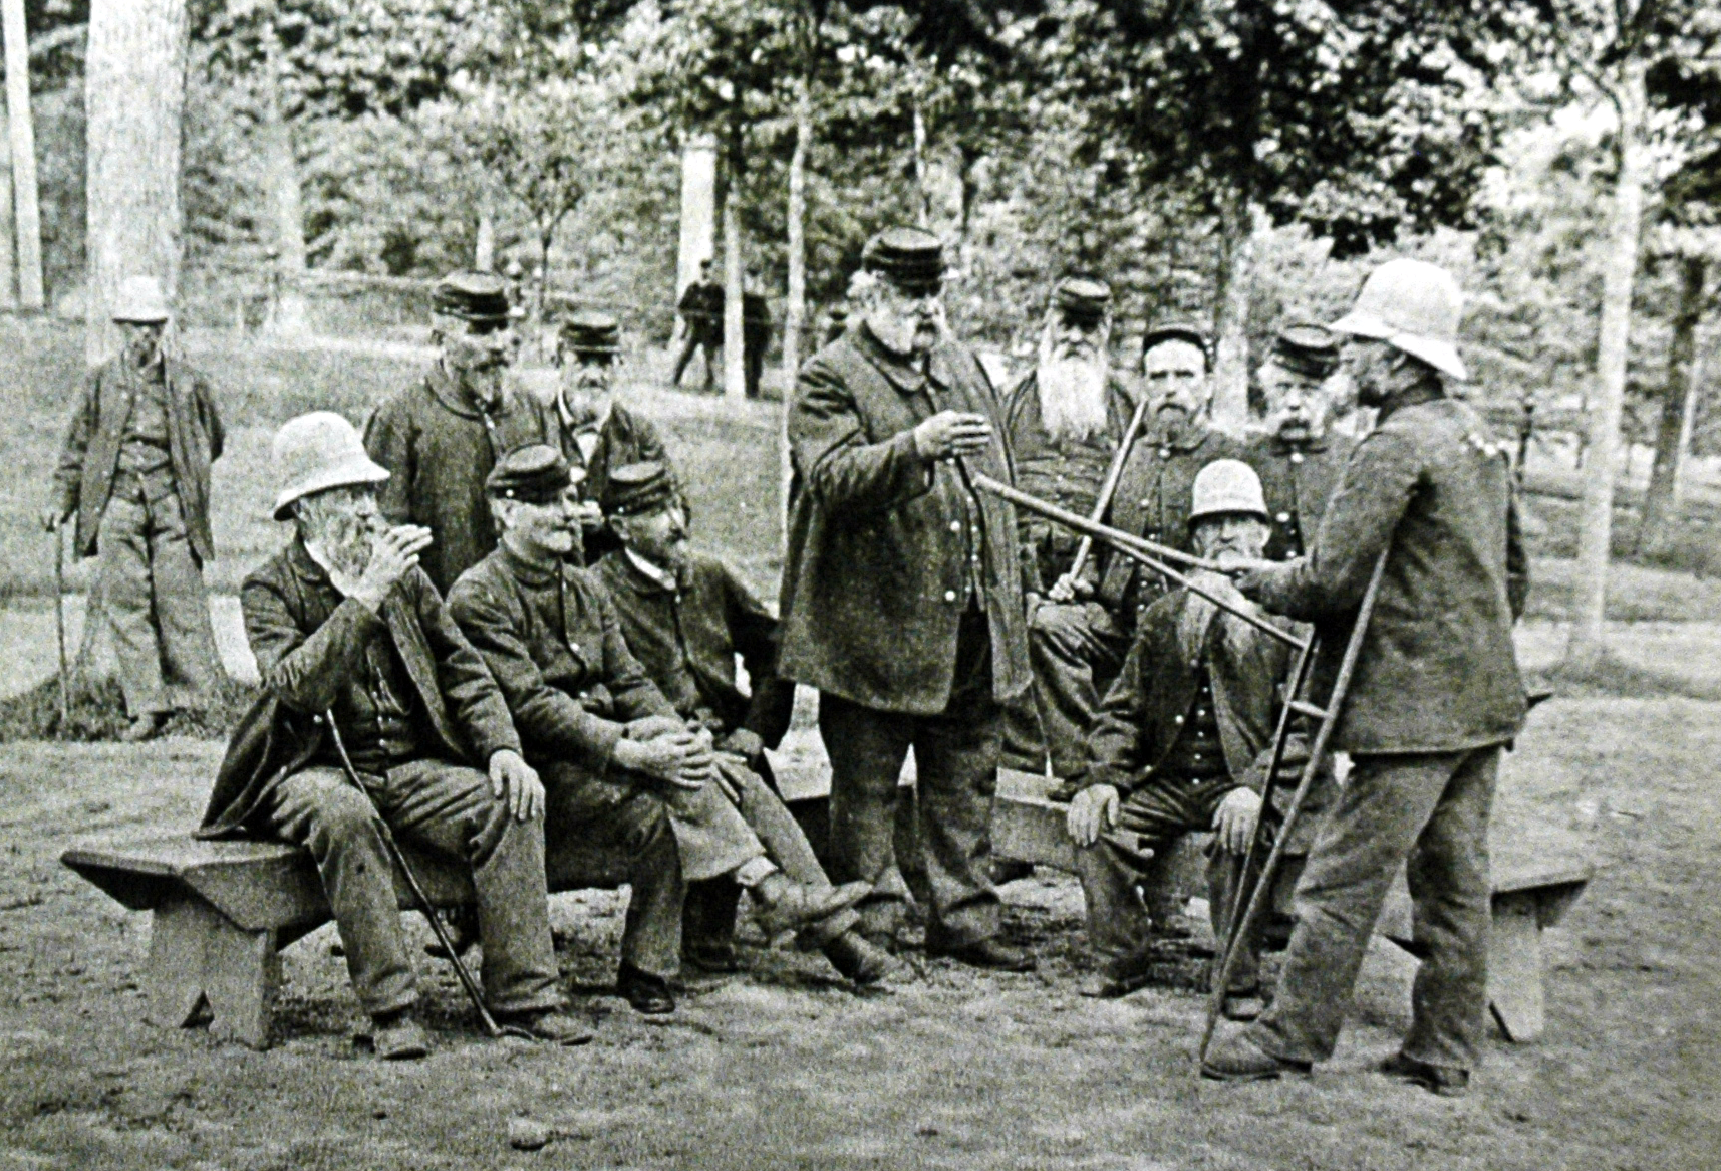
(696, 340)
(1429, 813)
(605, 833)
(1077, 651)
(449, 808)
(956, 765)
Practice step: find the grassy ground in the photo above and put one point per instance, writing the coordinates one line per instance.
(955, 1069)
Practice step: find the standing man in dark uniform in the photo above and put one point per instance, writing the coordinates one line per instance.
(440, 438)
(1298, 457)
(701, 308)
(902, 594)
(1065, 421)
(135, 472)
(755, 331)
(1435, 697)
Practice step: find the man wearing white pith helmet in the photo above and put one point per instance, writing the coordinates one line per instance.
(1180, 744)
(1435, 697)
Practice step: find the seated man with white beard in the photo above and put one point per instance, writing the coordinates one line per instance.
(1064, 420)
(1181, 744)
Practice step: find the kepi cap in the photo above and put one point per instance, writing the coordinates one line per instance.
(909, 258)
(140, 299)
(1307, 349)
(589, 332)
(536, 473)
(316, 452)
(1176, 330)
(1082, 299)
(638, 488)
(472, 296)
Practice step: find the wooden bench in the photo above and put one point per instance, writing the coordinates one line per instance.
(224, 910)
(1537, 875)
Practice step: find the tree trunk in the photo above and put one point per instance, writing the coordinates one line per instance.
(795, 312)
(134, 98)
(1589, 601)
(27, 216)
(734, 264)
(697, 241)
(8, 257)
(281, 169)
(1235, 280)
(1678, 403)
(922, 202)
(484, 253)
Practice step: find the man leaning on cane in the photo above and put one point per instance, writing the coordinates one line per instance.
(1435, 697)
(346, 625)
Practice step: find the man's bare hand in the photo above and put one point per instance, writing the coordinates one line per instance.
(675, 758)
(1069, 588)
(952, 433)
(394, 552)
(515, 781)
(1234, 820)
(647, 727)
(1093, 811)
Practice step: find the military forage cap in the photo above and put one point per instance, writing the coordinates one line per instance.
(590, 332)
(1177, 331)
(473, 296)
(638, 488)
(908, 258)
(1082, 299)
(1306, 349)
(535, 474)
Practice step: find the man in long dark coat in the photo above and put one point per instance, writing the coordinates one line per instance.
(902, 594)
(1297, 454)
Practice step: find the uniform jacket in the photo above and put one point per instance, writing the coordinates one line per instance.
(687, 640)
(1297, 480)
(85, 476)
(438, 446)
(626, 437)
(876, 576)
(1146, 708)
(551, 638)
(307, 640)
(1066, 472)
(1437, 670)
(701, 306)
(1153, 500)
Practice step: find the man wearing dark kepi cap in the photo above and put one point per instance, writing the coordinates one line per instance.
(1065, 421)
(594, 431)
(687, 617)
(1297, 455)
(701, 308)
(618, 761)
(902, 594)
(440, 437)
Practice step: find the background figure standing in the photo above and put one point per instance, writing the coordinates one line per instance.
(440, 438)
(902, 595)
(135, 471)
(701, 308)
(755, 331)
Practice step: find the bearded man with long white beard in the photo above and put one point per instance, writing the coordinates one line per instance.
(1065, 421)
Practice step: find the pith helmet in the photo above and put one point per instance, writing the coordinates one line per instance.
(1227, 486)
(140, 299)
(1415, 306)
(316, 452)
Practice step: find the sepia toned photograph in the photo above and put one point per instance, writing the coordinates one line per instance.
(631, 585)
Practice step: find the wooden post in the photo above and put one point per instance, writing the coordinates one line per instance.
(27, 216)
(734, 257)
(134, 100)
(698, 209)
(8, 256)
(288, 311)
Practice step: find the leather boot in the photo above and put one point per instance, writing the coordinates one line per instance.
(782, 905)
(857, 960)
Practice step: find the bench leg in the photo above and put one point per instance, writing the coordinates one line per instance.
(198, 956)
(1515, 968)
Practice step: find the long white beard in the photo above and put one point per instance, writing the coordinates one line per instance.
(1072, 395)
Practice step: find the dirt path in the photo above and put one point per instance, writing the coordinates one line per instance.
(785, 1069)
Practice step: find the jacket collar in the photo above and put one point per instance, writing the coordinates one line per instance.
(301, 562)
(445, 390)
(531, 574)
(900, 372)
(1426, 391)
(648, 578)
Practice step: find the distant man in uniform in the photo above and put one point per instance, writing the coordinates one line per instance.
(701, 309)
(440, 437)
(902, 594)
(1181, 745)
(361, 662)
(1065, 421)
(1297, 455)
(595, 432)
(686, 617)
(755, 331)
(135, 472)
(617, 758)
(1435, 697)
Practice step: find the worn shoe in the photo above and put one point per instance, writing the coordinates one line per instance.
(1444, 1080)
(1232, 1057)
(718, 959)
(647, 993)
(397, 1037)
(859, 961)
(988, 953)
(548, 1024)
(782, 905)
(143, 728)
(1111, 982)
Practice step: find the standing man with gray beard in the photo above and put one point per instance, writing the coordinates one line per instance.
(902, 595)
(1065, 422)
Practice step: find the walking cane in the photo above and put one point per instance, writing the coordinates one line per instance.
(1108, 487)
(1328, 717)
(60, 625)
(491, 1028)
